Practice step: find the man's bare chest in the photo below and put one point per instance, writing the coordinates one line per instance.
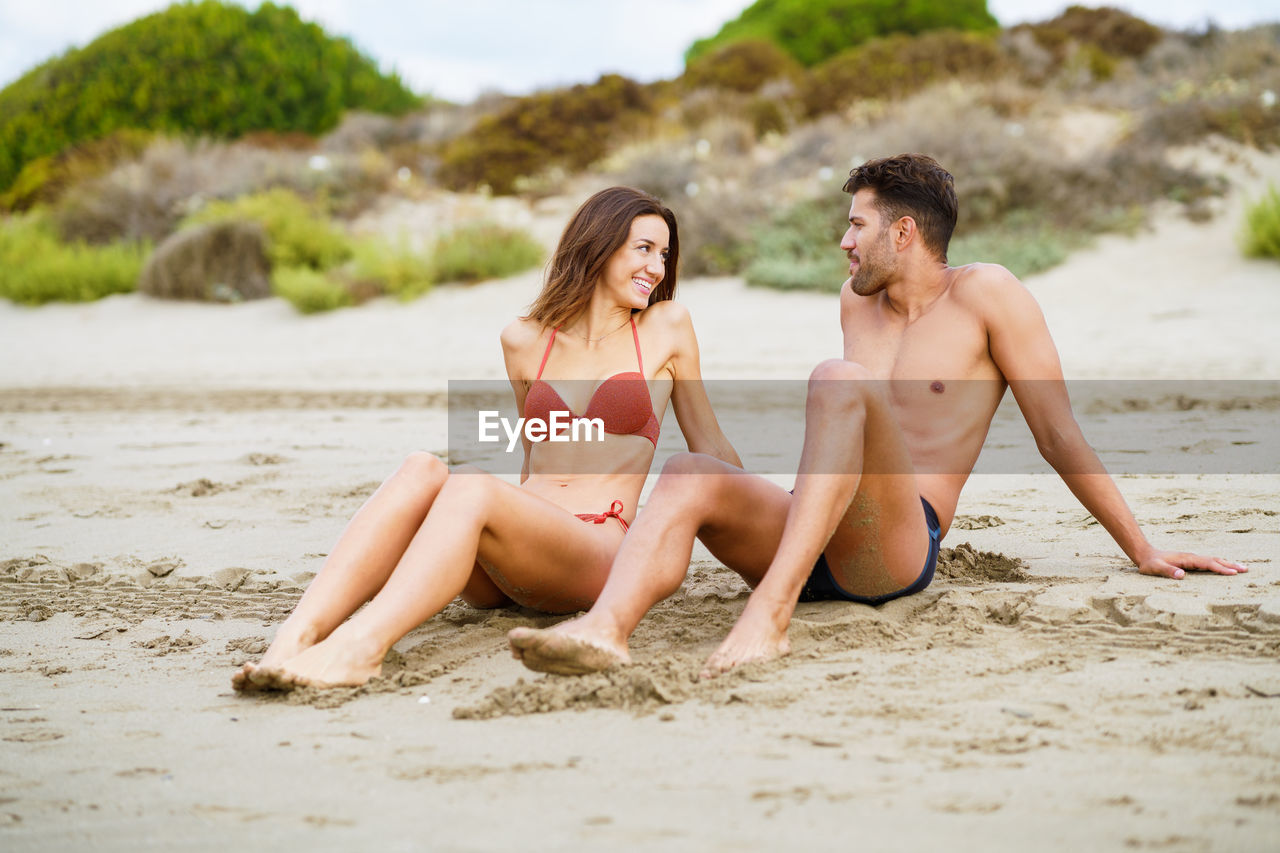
(923, 350)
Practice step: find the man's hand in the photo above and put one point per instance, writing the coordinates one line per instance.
(1170, 564)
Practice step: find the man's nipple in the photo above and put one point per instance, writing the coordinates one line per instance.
(937, 387)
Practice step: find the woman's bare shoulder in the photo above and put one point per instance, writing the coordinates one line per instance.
(667, 315)
(520, 334)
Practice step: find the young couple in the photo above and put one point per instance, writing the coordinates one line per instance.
(880, 473)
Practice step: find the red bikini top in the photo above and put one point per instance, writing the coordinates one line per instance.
(622, 401)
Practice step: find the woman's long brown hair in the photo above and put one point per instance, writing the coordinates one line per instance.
(598, 229)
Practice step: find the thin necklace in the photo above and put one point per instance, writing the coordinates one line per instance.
(599, 339)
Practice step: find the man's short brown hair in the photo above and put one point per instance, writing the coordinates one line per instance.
(912, 185)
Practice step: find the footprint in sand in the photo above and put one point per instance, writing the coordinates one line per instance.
(34, 736)
(200, 488)
(966, 563)
(263, 459)
(976, 522)
(164, 644)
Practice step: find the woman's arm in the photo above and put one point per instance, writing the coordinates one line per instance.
(516, 339)
(697, 419)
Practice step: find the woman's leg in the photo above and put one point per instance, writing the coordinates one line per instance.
(360, 562)
(534, 551)
(738, 516)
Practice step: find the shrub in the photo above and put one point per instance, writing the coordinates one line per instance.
(146, 199)
(568, 128)
(208, 67)
(483, 250)
(379, 267)
(1111, 30)
(1261, 237)
(766, 116)
(740, 66)
(716, 225)
(35, 267)
(897, 66)
(1243, 117)
(310, 291)
(1024, 245)
(814, 30)
(799, 249)
(45, 179)
(219, 262)
(299, 236)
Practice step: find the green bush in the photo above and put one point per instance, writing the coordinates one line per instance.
(567, 128)
(210, 68)
(800, 250)
(35, 267)
(299, 235)
(310, 291)
(44, 179)
(899, 65)
(483, 250)
(814, 30)
(1024, 249)
(379, 267)
(740, 66)
(1261, 238)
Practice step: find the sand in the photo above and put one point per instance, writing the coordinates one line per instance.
(172, 475)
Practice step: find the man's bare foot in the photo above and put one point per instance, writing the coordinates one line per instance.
(286, 645)
(562, 651)
(337, 662)
(752, 640)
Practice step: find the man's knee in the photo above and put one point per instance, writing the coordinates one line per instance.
(841, 384)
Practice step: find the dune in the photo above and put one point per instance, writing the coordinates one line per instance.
(171, 475)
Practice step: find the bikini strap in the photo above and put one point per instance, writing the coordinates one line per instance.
(547, 354)
(635, 334)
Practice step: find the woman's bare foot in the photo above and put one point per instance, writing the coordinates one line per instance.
(287, 644)
(753, 639)
(341, 660)
(569, 648)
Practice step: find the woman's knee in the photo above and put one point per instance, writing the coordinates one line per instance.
(468, 484)
(422, 467)
(692, 476)
(692, 463)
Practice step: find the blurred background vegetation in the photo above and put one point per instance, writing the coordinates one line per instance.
(208, 114)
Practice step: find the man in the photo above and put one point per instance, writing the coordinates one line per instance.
(883, 462)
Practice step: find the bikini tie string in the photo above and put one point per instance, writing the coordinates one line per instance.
(615, 511)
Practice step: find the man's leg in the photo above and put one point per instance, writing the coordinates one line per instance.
(855, 499)
(696, 496)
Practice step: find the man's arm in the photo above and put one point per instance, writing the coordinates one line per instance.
(1024, 352)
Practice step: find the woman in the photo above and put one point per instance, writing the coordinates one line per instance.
(429, 535)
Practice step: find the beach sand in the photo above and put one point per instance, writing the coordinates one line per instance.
(171, 476)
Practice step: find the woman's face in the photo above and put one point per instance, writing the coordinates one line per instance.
(639, 264)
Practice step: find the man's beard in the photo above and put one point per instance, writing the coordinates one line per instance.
(873, 272)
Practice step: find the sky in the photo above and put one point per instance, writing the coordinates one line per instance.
(456, 50)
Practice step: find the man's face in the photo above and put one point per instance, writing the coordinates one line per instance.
(872, 261)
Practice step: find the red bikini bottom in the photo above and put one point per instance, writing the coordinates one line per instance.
(615, 511)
